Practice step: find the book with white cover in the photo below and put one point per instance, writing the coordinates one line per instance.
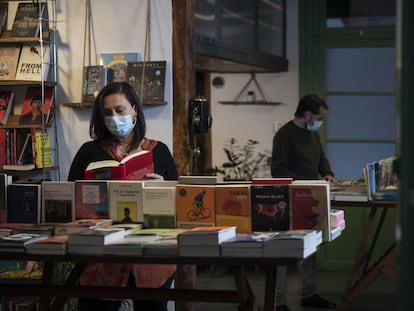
(58, 201)
(125, 201)
(133, 245)
(98, 236)
(80, 225)
(206, 235)
(246, 244)
(158, 201)
(33, 65)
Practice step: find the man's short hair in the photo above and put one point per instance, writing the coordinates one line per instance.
(312, 103)
(36, 98)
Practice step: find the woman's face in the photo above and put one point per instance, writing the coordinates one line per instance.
(117, 105)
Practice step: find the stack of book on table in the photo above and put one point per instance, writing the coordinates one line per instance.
(92, 241)
(53, 245)
(204, 241)
(246, 244)
(16, 243)
(80, 225)
(337, 223)
(165, 246)
(293, 244)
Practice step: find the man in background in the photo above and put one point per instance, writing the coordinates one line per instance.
(297, 152)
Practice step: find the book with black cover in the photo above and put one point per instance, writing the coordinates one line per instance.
(94, 79)
(26, 21)
(4, 12)
(133, 167)
(16, 242)
(148, 80)
(58, 201)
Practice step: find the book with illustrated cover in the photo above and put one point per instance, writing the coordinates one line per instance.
(34, 111)
(116, 64)
(233, 207)
(58, 201)
(23, 203)
(148, 80)
(125, 201)
(310, 206)
(94, 79)
(9, 58)
(270, 207)
(133, 167)
(6, 104)
(91, 199)
(26, 21)
(195, 205)
(30, 66)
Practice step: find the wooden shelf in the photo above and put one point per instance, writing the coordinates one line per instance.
(90, 105)
(6, 38)
(25, 83)
(259, 102)
(13, 122)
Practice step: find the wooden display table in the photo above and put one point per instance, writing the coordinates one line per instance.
(363, 272)
(46, 290)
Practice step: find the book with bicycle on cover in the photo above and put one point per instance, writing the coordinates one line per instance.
(195, 205)
(133, 167)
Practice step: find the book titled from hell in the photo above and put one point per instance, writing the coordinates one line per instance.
(133, 167)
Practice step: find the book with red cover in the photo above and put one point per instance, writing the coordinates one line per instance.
(310, 207)
(6, 103)
(35, 93)
(133, 167)
(91, 199)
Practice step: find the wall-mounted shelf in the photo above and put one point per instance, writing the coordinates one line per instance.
(256, 102)
(90, 105)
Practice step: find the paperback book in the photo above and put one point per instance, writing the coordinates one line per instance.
(26, 21)
(33, 65)
(16, 242)
(116, 64)
(98, 236)
(37, 106)
(9, 58)
(53, 245)
(206, 235)
(94, 79)
(6, 104)
(195, 206)
(91, 199)
(80, 225)
(233, 207)
(23, 203)
(125, 201)
(133, 167)
(246, 244)
(58, 201)
(310, 207)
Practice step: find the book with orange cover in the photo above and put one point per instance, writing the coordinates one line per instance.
(133, 167)
(91, 199)
(233, 207)
(195, 205)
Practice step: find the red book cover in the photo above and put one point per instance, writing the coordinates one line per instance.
(91, 199)
(310, 208)
(133, 167)
(33, 111)
(6, 103)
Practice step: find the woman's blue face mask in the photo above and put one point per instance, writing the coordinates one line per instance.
(120, 126)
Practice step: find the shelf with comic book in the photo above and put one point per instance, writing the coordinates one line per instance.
(28, 84)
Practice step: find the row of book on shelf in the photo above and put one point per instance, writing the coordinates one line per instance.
(250, 207)
(146, 77)
(381, 179)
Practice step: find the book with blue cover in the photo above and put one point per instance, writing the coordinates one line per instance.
(23, 203)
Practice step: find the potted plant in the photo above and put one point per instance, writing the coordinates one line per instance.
(242, 160)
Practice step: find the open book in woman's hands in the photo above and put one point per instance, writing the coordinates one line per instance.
(133, 167)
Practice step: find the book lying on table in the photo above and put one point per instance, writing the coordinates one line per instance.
(54, 245)
(246, 244)
(80, 225)
(16, 242)
(134, 167)
(206, 235)
(98, 236)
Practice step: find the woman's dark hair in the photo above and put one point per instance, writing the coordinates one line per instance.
(312, 103)
(97, 128)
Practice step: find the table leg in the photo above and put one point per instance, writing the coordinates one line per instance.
(247, 298)
(270, 289)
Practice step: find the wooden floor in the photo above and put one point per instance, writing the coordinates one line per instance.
(381, 296)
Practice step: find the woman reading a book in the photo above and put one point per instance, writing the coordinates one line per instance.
(118, 129)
